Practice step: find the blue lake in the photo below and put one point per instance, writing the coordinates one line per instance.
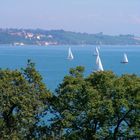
(52, 62)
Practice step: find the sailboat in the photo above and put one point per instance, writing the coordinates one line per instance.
(125, 59)
(96, 51)
(99, 64)
(70, 55)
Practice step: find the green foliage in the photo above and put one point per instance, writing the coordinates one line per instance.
(101, 106)
(23, 98)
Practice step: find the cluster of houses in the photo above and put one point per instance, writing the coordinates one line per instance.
(36, 38)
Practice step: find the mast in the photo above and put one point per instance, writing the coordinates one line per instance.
(96, 51)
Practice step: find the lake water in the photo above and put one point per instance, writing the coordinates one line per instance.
(52, 62)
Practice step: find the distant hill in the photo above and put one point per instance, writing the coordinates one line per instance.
(61, 37)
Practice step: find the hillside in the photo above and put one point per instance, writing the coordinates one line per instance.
(61, 37)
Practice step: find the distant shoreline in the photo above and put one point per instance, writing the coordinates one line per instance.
(29, 45)
(39, 37)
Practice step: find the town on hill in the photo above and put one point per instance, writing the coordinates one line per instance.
(60, 37)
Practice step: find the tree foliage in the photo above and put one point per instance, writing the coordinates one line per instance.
(101, 106)
(23, 98)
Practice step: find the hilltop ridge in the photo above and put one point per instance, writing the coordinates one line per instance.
(61, 37)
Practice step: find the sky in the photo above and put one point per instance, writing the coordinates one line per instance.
(91, 16)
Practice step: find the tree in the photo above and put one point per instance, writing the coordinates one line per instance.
(101, 106)
(23, 98)
(126, 104)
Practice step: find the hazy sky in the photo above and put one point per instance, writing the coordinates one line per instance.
(92, 16)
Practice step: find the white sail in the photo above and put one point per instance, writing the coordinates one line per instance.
(70, 55)
(96, 51)
(125, 59)
(99, 64)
